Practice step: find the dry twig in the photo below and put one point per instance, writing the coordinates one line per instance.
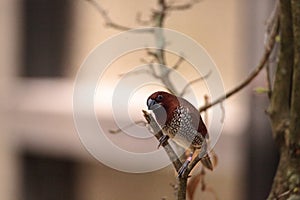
(119, 130)
(263, 61)
(183, 92)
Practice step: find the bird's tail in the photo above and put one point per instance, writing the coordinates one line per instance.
(206, 161)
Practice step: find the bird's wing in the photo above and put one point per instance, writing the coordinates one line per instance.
(197, 121)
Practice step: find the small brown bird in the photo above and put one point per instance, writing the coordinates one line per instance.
(181, 122)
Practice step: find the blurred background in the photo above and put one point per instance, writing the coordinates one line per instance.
(43, 44)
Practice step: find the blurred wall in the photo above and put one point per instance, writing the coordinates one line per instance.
(9, 52)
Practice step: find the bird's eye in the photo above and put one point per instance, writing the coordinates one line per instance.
(159, 97)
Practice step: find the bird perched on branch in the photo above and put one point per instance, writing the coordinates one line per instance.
(181, 122)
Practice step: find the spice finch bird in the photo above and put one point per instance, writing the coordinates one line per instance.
(181, 122)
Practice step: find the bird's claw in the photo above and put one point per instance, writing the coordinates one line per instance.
(162, 140)
(185, 165)
(183, 168)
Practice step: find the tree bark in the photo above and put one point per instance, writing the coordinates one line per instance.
(284, 108)
(181, 194)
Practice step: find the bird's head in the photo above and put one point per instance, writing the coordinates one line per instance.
(160, 98)
(162, 104)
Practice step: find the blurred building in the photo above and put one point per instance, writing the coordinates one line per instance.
(44, 42)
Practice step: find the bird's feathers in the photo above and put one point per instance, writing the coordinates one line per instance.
(169, 103)
(181, 121)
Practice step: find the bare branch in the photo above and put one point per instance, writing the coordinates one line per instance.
(270, 23)
(269, 83)
(152, 53)
(136, 72)
(153, 72)
(295, 96)
(272, 18)
(151, 66)
(178, 63)
(158, 134)
(284, 194)
(194, 81)
(119, 130)
(268, 49)
(280, 105)
(206, 102)
(163, 74)
(141, 21)
(108, 21)
(117, 26)
(143, 60)
(184, 6)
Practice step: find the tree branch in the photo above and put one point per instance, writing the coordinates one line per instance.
(194, 81)
(158, 134)
(268, 49)
(269, 82)
(108, 21)
(184, 6)
(119, 130)
(178, 63)
(279, 109)
(295, 96)
(280, 101)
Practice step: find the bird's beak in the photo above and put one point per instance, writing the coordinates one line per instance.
(151, 103)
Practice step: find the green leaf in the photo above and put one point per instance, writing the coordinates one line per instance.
(277, 38)
(261, 90)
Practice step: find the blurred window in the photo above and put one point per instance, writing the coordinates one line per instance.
(48, 178)
(46, 24)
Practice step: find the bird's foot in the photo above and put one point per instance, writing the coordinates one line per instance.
(183, 168)
(185, 165)
(162, 140)
(205, 160)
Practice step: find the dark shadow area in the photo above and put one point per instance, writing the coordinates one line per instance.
(48, 178)
(45, 26)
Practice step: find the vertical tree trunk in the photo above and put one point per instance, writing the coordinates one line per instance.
(284, 108)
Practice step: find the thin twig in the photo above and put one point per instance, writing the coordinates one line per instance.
(268, 49)
(272, 18)
(206, 102)
(108, 21)
(194, 81)
(269, 83)
(127, 126)
(136, 72)
(141, 21)
(284, 194)
(270, 23)
(152, 53)
(153, 72)
(178, 63)
(184, 6)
